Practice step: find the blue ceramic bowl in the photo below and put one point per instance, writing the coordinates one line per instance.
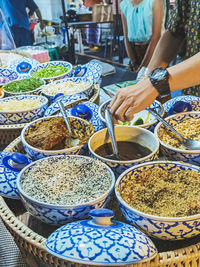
(53, 63)
(7, 75)
(61, 214)
(125, 133)
(23, 116)
(172, 153)
(152, 122)
(169, 228)
(36, 153)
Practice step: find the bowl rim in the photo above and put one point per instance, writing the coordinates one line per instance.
(142, 125)
(149, 216)
(170, 147)
(23, 93)
(27, 110)
(43, 65)
(51, 151)
(64, 206)
(128, 161)
(11, 70)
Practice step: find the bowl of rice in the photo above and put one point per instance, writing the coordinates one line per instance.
(162, 198)
(187, 124)
(60, 189)
(22, 108)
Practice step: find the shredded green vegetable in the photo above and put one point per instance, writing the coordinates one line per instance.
(50, 71)
(139, 121)
(24, 85)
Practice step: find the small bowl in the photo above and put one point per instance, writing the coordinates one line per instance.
(168, 228)
(157, 106)
(125, 133)
(53, 63)
(23, 116)
(7, 74)
(31, 92)
(87, 91)
(172, 153)
(36, 153)
(61, 214)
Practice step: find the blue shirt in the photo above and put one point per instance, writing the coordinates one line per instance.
(15, 12)
(139, 20)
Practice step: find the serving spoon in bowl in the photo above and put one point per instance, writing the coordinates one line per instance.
(189, 144)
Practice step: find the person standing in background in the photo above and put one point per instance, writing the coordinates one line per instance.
(17, 18)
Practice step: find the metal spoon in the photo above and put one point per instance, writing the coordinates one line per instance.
(189, 144)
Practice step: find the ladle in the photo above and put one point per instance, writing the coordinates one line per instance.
(189, 144)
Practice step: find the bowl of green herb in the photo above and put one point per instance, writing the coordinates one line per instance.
(25, 86)
(52, 70)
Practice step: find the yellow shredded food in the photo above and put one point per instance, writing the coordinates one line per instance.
(19, 105)
(189, 128)
(164, 193)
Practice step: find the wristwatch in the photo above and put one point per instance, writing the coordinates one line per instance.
(159, 78)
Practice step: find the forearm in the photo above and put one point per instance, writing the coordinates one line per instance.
(129, 50)
(38, 13)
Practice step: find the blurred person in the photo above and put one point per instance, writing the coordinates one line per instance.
(17, 18)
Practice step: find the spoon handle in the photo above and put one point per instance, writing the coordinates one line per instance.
(110, 127)
(157, 116)
(65, 117)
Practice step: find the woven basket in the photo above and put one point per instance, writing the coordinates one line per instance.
(31, 243)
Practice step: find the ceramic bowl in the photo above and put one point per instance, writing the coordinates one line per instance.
(36, 153)
(125, 133)
(87, 90)
(61, 214)
(1, 94)
(7, 75)
(169, 228)
(172, 153)
(144, 114)
(31, 92)
(23, 116)
(53, 63)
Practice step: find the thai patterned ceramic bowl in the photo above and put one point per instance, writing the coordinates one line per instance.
(181, 104)
(36, 153)
(61, 214)
(23, 116)
(172, 153)
(169, 228)
(87, 91)
(53, 63)
(107, 242)
(125, 133)
(93, 71)
(144, 114)
(7, 75)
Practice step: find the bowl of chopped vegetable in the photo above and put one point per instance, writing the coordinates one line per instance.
(27, 86)
(22, 108)
(59, 189)
(52, 70)
(142, 119)
(162, 198)
(7, 75)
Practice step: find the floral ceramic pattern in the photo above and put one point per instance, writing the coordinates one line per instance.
(8, 74)
(160, 227)
(93, 72)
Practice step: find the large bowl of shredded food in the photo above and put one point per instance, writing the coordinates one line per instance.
(162, 198)
(60, 189)
(25, 86)
(22, 108)
(52, 70)
(187, 124)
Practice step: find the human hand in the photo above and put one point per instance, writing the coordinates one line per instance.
(132, 99)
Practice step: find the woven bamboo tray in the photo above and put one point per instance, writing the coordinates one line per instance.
(30, 235)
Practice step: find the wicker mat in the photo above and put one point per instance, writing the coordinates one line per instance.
(9, 253)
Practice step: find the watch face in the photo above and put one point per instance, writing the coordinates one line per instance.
(159, 74)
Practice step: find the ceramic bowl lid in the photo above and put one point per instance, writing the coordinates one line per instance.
(101, 241)
(10, 165)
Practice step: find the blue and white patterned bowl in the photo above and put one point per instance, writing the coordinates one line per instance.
(61, 214)
(125, 133)
(8, 74)
(157, 106)
(36, 153)
(169, 228)
(23, 116)
(94, 70)
(53, 63)
(106, 242)
(172, 153)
